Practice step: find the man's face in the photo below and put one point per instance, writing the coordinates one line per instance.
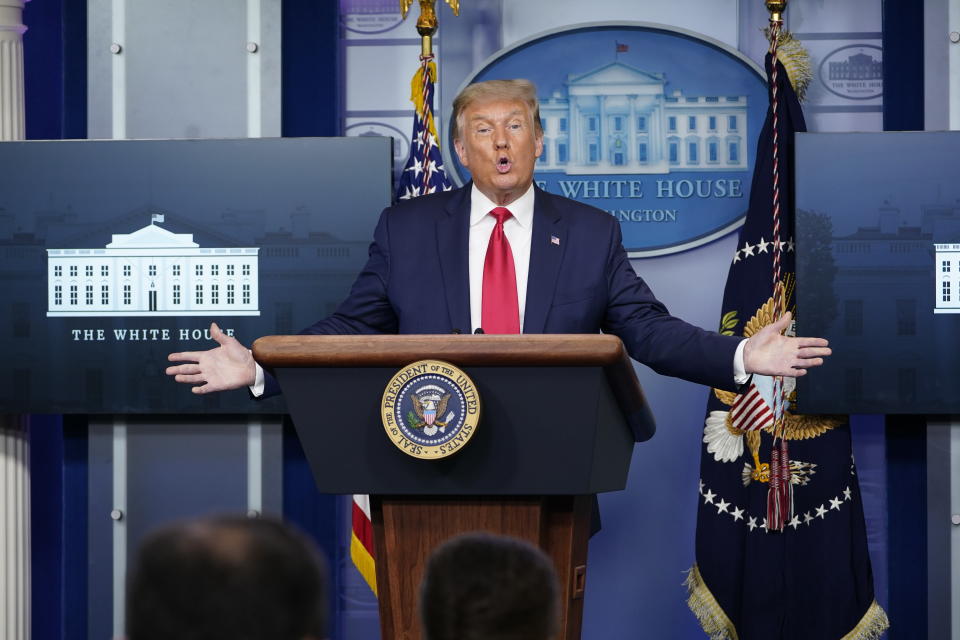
(499, 145)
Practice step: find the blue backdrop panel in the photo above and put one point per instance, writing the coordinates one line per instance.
(118, 253)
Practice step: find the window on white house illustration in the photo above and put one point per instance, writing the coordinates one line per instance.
(713, 151)
(733, 152)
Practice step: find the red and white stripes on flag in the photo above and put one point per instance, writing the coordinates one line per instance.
(361, 540)
(750, 412)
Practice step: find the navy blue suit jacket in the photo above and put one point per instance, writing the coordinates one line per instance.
(417, 281)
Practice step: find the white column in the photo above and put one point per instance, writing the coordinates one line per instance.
(14, 528)
(14, 451)
(11, 69)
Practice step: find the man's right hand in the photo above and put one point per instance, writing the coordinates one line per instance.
(229, 366)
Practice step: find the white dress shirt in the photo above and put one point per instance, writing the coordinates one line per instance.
(518, 229)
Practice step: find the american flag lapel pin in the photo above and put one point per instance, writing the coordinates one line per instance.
(555, 240)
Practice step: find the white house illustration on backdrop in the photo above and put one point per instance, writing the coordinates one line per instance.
(947, 269)
(617, 119)
(153, 272)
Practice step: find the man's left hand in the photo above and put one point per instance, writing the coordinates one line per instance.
(768, 352)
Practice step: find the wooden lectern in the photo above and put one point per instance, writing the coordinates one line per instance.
(559, 416)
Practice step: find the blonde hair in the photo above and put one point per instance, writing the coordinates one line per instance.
(518, 89)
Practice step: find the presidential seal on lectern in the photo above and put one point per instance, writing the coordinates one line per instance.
(430, 409)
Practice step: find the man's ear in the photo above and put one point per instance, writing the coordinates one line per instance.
(538, 145)
(461, 153)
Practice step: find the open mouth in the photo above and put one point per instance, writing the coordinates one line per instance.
(503, 164)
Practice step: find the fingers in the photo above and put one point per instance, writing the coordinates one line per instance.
(783, 322)
(186, 356)
(193, 378)
(181, 369)
(814, 352)
(217, 334)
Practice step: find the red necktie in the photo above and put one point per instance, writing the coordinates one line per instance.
(500, 312)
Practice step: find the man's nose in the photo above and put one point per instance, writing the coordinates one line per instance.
(500, 139)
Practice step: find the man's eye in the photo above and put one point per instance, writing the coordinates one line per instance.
(515, 126)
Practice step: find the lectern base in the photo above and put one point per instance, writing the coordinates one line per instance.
(407, 528)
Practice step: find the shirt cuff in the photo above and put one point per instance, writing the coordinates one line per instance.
(740, 375)
(258, 384)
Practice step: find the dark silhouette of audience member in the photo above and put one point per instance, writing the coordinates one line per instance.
(480, 586)
(225, 578)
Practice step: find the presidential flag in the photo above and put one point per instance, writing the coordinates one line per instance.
(423, 172)
(753, 580)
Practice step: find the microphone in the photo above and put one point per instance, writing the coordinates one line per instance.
(478, 331)
(456, 331)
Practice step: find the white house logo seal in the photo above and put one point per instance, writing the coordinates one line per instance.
(430, 409)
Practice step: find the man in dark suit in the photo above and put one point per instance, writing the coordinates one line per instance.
(504, 256)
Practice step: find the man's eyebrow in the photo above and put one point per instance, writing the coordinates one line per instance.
(484, 116)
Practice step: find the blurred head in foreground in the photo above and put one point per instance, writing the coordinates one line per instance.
(227, 577)
(480, 586)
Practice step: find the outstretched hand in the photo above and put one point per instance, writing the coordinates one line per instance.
(768, 352)
(229, 366)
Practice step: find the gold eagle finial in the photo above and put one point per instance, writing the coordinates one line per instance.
(427, 23)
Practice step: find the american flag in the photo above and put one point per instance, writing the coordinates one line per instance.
(423, 172)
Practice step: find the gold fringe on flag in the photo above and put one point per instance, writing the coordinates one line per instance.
(795, 59)
(418, 96)
(718, 626)
(714, 621)
(871, 626)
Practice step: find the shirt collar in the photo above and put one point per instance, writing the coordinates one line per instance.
(521, 208)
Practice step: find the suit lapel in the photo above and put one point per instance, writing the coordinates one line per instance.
(547, 245)
(453, 244)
